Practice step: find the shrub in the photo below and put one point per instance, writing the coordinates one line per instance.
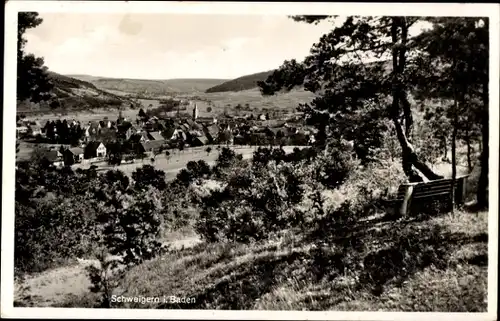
(255, 203)
(147, 175)
(193, 171)
(130, 227)
(51, 232)
(334, 167)
(227, 161)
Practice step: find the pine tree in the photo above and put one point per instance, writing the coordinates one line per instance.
(335, 70)
(454, 65)
(32, 78)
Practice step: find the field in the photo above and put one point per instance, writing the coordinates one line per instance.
(151, 85)
(221, 100)
(87, 115)
(177, 160)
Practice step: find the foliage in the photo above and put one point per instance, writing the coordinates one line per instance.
(129, 227)
(227, 160)
(194, 171)
(254, 204)
(60, 132)
(351, 91)
(334, 167)
(142, 114)
(165, 106)
(50, 231)
(454, 66)
(32, 78)
(147, 175)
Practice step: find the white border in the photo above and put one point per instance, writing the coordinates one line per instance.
(415, 9)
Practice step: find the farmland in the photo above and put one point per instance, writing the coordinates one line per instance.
(218, 102)
(178, 160)
(152, 86)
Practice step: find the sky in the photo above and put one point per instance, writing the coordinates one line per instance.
(167, 46)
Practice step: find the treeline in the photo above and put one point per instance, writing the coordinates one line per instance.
(60, 132)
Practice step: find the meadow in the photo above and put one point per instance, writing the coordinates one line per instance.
(218, 102)
(177, 160)
(221, 101)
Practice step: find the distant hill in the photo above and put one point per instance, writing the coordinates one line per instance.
(70, 93)
(241, 83)
(250, 81)
(140, 86)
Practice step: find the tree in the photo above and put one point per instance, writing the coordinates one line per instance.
(147, 175)
(141, 155)
(115, 153)
(208, 150)
(180, 144)
(142, 114)
(167, 155)
(209, 109)
(458, 59)
(347, 86)
(262, 156)
(32, 78)
(130, 227)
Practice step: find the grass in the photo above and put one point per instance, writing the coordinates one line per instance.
(286, 102)
(413, 264)
(220, 100)
(150, 85)
(176, 162)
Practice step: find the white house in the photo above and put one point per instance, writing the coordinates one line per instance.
(95, 149)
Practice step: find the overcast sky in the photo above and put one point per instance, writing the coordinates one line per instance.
(165, 46)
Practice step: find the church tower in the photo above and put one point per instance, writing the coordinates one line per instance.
(195, 112)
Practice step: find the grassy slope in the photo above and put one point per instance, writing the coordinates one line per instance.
(415, 264)
(74, 93)
(437, 264)
(241, 83)
(220, 101)
(152, 86)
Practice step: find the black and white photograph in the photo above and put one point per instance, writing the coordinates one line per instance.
(266, 160)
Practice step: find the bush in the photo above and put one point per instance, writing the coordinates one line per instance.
(147, 175)
(52, 231)
(334, 167)
(193, 171)
(227, 161)
(255, 203)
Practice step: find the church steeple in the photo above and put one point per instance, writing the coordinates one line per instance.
(195, 112)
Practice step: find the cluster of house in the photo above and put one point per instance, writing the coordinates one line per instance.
(148, 135)
(28, 127)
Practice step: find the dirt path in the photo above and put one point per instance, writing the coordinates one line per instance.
(53, 287)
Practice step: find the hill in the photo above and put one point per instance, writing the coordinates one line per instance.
(74, 94)
(250, 81)
(140, 86)
(241, 83)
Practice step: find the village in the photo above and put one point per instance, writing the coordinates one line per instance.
(69, 142)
